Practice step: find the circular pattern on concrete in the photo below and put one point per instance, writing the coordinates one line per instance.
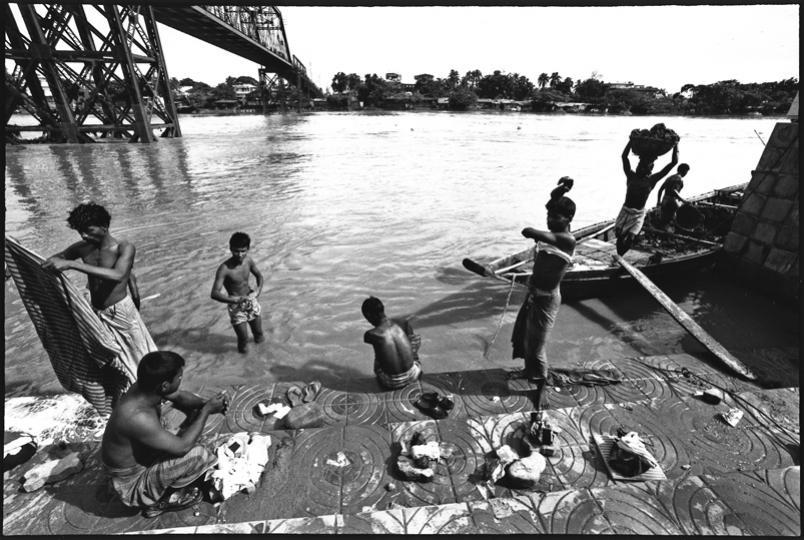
(465, 456)
(335, 405)
(399, 405)
(579, 467)
(356, 408)
(363, 481)
(319, 483)
(631, 510)
(573, 512)
(242, 414)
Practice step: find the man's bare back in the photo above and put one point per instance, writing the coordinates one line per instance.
(392, 349)
(118, 449)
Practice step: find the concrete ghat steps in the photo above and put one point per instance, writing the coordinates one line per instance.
(760, 503)
(303, 491)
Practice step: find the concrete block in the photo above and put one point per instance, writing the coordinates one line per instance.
(746, 270)
(786, 185)
(780, 260)
(771, 157)
(786, 238)
(743, 224)
(765, 181)
(764, 233)
(753, 205)
(776, 209)
(734, 243)
(51, 471)
(756, 253)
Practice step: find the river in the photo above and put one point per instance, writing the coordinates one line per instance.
(339, 206)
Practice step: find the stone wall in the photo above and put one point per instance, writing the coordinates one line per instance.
(762, 247)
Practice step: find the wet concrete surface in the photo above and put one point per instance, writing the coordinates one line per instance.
(720, 479)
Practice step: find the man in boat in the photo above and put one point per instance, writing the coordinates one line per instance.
(396, 346)
(233, 275)
(108, 263)
(669, 198)
(150, 467)
(639, 185)
(553, 256)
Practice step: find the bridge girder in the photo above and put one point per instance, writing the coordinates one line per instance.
(104, 79)
(111, 79)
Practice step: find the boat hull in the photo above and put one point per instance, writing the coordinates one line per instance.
(595, 273)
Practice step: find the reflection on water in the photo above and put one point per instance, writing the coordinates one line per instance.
(339, 206)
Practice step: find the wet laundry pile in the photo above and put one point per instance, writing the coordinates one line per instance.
(417, 460)
(241, 462)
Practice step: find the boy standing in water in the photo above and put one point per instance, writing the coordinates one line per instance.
(396, 349)
(639, 185)
(553, 256)
(233, 274)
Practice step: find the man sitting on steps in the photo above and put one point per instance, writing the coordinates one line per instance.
(150, 467)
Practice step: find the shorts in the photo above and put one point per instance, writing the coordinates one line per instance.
(245, 311)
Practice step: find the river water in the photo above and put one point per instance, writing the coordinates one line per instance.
(338, 206)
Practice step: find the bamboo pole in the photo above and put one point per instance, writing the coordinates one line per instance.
(686, 321)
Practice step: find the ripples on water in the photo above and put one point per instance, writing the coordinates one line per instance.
(339, 206)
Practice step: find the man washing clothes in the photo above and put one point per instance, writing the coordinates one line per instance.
(108, 263)
(150, 467)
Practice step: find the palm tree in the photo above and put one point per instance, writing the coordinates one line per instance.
(543, 80)
(555, 78)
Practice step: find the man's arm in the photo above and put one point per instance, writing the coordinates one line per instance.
(217, 285)
(258, 275)
(69, 253)
(626, 163)
(659, 195)
(134, 290)
(119, 272)
(667, 168)
(186, 402)
(564, 241)
(146, 430)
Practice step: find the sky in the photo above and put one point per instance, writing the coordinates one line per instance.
(661, 46)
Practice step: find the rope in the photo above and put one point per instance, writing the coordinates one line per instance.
(502, 317)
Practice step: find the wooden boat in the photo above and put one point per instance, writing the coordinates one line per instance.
(657, 253)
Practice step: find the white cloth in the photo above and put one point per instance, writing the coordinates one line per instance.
(631, 442)
(630, 220)
(240, 469)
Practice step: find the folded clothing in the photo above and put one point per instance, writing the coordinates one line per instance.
(241, 461)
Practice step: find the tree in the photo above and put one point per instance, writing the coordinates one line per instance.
(521, 87)
(453, 80)
(472, 78)
(555, 78)
(187, 81)
(590, 89)
(245, 79)
(461, 98)
(230, 81)
(352, 81)
(543, 80)
(339, 82)
(495, 86)
(565, 86)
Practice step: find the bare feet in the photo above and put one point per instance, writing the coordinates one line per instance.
(259, 338)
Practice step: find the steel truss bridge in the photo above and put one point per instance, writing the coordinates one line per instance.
(87, 71)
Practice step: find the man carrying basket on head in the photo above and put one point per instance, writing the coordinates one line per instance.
(639, 185)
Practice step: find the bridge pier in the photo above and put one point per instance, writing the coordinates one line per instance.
(99, 81)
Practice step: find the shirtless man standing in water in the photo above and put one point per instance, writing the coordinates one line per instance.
(108, 263)
(233, 274)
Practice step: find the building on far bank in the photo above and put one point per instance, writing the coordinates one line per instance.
(243, 89)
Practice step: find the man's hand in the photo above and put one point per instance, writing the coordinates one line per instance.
(218, 404)
(57, 263)
(528, 232)
(567, 182)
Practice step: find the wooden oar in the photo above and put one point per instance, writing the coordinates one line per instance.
(686, 321)
(486, 271)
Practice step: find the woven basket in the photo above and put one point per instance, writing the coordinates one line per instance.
(649, 147)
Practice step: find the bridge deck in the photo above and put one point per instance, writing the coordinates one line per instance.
(199, 23)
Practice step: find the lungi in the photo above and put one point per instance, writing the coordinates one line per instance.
(129, 332)
(140, 486)
(399, 380)
(532, 327)
(629, 221)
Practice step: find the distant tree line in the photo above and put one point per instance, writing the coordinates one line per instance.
(724, 97)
